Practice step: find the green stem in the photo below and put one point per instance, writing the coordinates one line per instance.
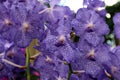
(70, 71)
(69, 74)
(28, 63)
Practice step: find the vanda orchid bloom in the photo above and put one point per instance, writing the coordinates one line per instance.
(66, 45)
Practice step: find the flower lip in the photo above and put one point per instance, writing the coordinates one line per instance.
(90, 25)
(91, 54)
(8, 22)
(26, 26)
(62, 38)
(61, 41)
(48, 59)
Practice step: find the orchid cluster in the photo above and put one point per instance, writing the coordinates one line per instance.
(72, 46)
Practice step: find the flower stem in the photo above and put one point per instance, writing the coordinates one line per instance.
(28, 63)
(70, 71)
